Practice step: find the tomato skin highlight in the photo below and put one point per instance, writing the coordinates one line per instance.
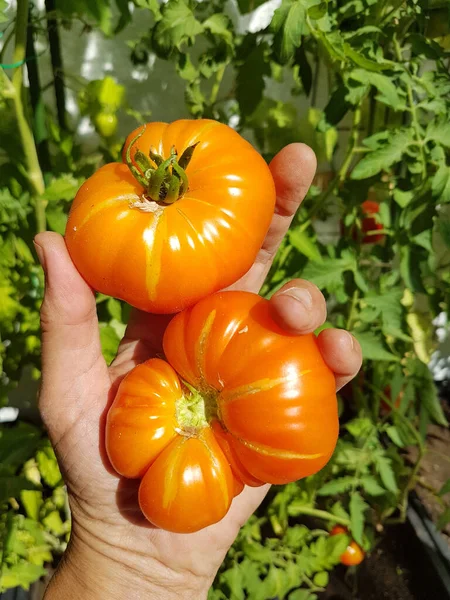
(239, 401)
(354, 554)
(163, 258)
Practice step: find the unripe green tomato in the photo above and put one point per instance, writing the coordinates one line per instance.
(105, 124)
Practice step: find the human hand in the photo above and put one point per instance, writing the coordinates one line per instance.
(113, 550)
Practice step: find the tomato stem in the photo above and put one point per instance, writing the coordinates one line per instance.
(164, 180)
(195, 409)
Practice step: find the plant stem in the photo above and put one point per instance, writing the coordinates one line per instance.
(57, 65)
(216, 85)
(320, 514)
(413, 110)
(37, 103)
(351, 316)
(342, 173)
(15, 92)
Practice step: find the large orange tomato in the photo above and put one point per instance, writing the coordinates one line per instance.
(181, 218)
(239, 401)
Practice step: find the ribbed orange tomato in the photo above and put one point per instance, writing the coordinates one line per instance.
(238, 401)
(181, 218)
(354, 554)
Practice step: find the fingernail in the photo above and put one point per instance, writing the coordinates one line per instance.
(301, 295)
(40, 254)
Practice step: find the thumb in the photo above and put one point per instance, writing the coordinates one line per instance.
(70, 338)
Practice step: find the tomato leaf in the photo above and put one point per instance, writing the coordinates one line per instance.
(336, 486)
(384, 467)
(371, 486)
(373, 347)
(48, 465)
(177, 26)
(387, 152)
(445, 489)
(250, 81)
(304, 244)
(288, 25)
(441, 184)
(357, 510)
(22, 574)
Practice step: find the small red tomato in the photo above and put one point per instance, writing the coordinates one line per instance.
(354, 554)
(370, 223)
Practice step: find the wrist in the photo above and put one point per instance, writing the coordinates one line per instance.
(89, 571)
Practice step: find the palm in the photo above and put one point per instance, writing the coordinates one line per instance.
(78, 387)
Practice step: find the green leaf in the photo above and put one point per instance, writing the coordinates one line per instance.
(3, 8)
(250, 82)
(371, 486)
(12, 485)
(233, 578)
(386, 154)
(373, 347)
(395, 436)
(246, 6)
(220, 26)
(185, 68)
(302, 595)
(339, 485)
(109, 341)
(63, 187)
(402, 198)
(296, 535)
(32, 502)
(53, 523)
(438, 131)
(321, 579)
(427, 391)
(57, 218)
(114, 308)
(366, 63)
(177, 26)
(18, 444)
(329, 273)
(48, 465)
(445, 489)
(357, 510)
(22, 574)
(388, 91)
(390, 309)
(361, 427)
(441, 184)
(384, 467)
(444, 230)
(288, 25)
(304, 244)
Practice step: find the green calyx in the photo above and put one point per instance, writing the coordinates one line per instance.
(164, 180)
(195, 410)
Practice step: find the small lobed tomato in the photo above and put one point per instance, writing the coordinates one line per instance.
(165, 228)
(238, 401)
(354, 554)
